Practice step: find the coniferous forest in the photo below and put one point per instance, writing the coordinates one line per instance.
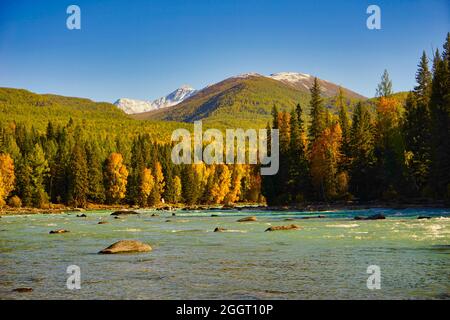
(389, 148)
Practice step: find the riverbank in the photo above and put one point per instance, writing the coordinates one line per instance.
(318, 206)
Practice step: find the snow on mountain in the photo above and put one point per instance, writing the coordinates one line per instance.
(132, 106)
(303, 81)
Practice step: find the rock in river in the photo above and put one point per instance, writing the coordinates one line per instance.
(127, 246)
(377, 216)
(289, 227)
(23, 290)
(123, 212)
(59, 231)
(219, 229)
(247, 219)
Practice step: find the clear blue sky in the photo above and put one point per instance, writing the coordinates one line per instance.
(145, 49)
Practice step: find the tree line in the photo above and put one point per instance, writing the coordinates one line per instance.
(67, 165)
(398, 152)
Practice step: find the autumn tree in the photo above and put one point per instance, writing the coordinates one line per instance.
(115, 176)
(324, 158)
(7, 177)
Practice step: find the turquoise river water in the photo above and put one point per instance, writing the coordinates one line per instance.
(326, 259)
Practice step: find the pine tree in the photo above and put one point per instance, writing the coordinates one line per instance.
(384, 88)
(96, 188)
(361, 153)
(78, 178)
(440, 114)
(39, 170)
(318, 121)
(417, 130)
(345, 127)
(299, 179)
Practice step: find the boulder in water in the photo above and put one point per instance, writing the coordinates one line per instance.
(279, 228)
(102, 222)
(23, 290)
(377, 216)
(219, 229)
(247, 219)
(59, 231)
(423, 217)
(126, 246)
(123, 213)
(81, 215)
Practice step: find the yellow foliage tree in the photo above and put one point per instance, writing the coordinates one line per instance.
(324, 158)
(147, 185)
(177, 188)
(222, 184)
(235, 187)
(7, 177)
(116, 175)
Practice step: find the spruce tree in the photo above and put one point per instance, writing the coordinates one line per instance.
(78, 179)
(384, 88)
(317, 112)
(362, 153)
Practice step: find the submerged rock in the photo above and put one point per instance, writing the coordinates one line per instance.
(123, 213)
(155, 215)
(247, 219)
(23, 290)
(279, 228)
(81, 215)
(219, 229)
(423, 217)
(102, 222)
(214, 215)
(377, 216)
(58, 231)
(126, 246)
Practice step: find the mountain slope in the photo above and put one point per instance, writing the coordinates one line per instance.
(303, 81)
(36, 110)
(243, 101)
(131, 106)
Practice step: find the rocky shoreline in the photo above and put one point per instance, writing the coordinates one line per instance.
(312, 207)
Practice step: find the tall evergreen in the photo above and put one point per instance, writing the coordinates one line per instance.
(299, 179)
(384, 88)
(78, 179)
(417, 130)
(345, 127)
(440, 113)
(318, 121)
(362, 154)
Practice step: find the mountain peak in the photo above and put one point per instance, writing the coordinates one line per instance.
(290, 76)
(132, 106)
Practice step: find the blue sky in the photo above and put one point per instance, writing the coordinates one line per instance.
(146, 49)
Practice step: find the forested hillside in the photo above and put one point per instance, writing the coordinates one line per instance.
(98, 118)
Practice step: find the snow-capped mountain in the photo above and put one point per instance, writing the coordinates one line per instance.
(132, 106)
(303, 81)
